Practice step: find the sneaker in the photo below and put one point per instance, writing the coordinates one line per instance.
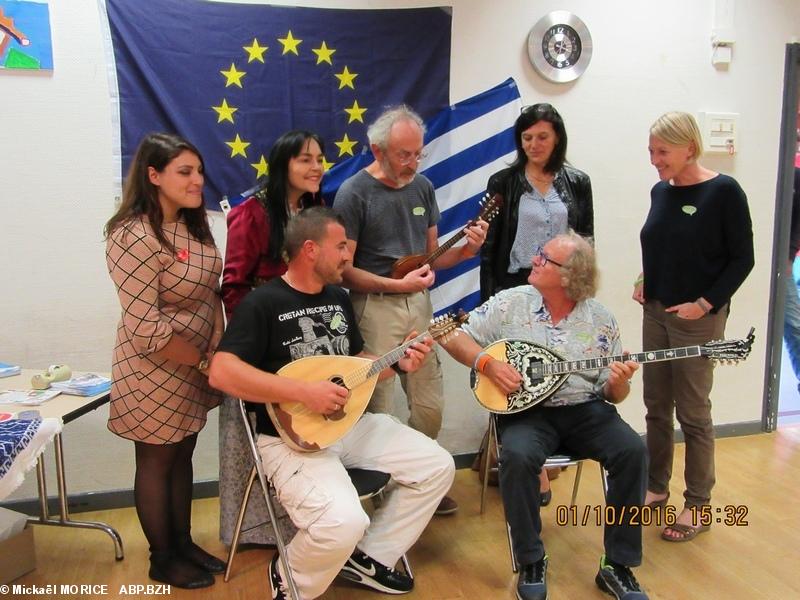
(618, 581)
(447, 506)
(532, 584)
(362, 569)
(276, 585)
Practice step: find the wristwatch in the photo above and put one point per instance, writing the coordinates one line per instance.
(202, 365)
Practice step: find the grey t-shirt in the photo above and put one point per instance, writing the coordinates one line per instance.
(386, 223)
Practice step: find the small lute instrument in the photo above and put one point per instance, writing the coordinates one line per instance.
(544, 371)
(490, 206)
(307, 431)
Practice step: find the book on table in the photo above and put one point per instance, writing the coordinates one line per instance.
(7, 370)
(88, 384)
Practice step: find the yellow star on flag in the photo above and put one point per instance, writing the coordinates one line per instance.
(323, 53)
(346, 145)
(346, 78)
(224, 111)
(355, 113)
(233, 77)
(261, 167)
(238, 147)
(326, 165)
(289, 44)
(255, 51)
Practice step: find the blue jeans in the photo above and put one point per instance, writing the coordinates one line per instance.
(791, 323)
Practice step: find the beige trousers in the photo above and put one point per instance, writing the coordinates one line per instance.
(384, 321)
(316, 492)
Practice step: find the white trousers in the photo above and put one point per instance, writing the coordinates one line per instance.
(316, 492)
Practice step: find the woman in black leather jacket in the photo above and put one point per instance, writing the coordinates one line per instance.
(543, 197)
(551, 196)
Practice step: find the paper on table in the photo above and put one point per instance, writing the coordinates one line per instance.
(28, 397)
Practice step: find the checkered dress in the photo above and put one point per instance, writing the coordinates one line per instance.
(155, 400)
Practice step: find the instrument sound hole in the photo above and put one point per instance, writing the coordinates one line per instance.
(339, 414)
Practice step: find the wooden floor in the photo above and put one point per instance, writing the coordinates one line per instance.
(465, 556)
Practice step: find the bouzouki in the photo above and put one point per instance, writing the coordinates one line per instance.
(544, 371)
(307, 431)
(403, 266)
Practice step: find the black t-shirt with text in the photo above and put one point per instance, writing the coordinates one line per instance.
(276, 324)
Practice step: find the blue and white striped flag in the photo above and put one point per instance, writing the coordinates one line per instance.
(465, 143)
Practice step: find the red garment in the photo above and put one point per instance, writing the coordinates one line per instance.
(246, 253)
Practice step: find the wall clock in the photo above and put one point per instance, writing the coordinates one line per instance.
(560, 46)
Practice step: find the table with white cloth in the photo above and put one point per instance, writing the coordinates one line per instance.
(62, 409)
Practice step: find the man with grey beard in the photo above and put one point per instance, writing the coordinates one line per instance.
(390, 211)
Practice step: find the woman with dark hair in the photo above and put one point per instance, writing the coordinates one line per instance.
(256, 230)
(543, 197)
(256, 226)
(165, 266)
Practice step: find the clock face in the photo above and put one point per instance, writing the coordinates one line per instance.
(560, 46)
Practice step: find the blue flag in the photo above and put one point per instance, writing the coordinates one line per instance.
(465, 143)
(231, 78)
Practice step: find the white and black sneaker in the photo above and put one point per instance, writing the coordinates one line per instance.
(276, 585)
(362, 569)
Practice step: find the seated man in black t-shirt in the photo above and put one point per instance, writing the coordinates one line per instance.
(302, 314)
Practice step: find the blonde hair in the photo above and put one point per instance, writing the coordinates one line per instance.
(579, 273)
(678, 129)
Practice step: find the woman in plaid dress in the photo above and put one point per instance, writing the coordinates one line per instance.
(166, 268)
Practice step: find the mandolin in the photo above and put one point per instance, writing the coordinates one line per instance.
(544, 371)
(403, 266)
(307, 431)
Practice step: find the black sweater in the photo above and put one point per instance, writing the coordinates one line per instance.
(697, 241)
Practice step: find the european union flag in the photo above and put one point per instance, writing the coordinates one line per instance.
(231, 78)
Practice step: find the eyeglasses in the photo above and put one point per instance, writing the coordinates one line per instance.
(544, 259)
(406, 158)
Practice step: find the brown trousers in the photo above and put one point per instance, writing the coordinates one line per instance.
(683, 387)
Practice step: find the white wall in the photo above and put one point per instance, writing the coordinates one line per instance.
(58, 304)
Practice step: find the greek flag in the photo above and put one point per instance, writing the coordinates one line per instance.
(465, 143)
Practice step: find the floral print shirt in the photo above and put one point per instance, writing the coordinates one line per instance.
(589, 331)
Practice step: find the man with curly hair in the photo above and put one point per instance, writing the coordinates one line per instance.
(557, 310)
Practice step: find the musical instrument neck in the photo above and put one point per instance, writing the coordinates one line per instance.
(434, 256)
(599, 362)
(393, 356)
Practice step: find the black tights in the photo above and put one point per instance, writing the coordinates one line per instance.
(163, 492)
(163, 496)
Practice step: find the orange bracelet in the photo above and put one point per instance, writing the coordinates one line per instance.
(481, 362)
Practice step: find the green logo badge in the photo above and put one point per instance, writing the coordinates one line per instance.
(419, 211)
(689, 210)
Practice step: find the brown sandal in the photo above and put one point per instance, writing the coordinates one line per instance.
(687, 532)
(659, 503)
